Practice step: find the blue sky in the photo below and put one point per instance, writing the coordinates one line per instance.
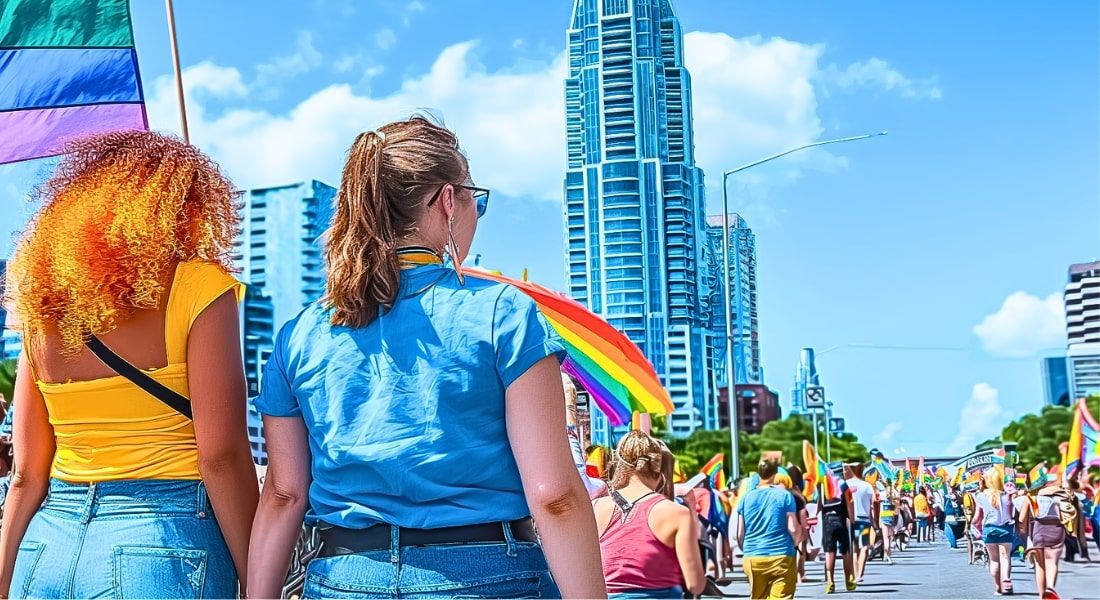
(951, 233)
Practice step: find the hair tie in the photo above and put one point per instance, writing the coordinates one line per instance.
(381, 135)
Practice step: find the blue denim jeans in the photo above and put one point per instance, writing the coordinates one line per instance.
(124, 539)
(508, 569)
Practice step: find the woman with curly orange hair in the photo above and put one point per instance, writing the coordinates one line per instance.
(131, 393)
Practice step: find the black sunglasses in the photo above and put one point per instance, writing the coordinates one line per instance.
(481, 197)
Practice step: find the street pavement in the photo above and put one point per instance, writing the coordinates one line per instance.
(936, 571)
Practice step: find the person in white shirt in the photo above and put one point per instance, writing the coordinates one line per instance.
(995, 514)
(863, 501)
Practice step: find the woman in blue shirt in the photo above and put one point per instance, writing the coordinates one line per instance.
(415, 404)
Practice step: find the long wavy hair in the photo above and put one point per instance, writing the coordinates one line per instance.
(388, 176)
(119, 211)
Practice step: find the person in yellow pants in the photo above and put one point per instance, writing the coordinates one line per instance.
(768, 531)
(771, 576)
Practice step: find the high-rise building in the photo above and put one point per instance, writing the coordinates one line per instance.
(1055, 381)
(746, 331)
(11, 342)
(805, 376)
(279, 255)
(634, 202)
(1082, 300)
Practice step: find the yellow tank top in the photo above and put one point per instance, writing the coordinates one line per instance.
(110, 429)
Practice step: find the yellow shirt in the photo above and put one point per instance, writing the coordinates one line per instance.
(920, 505)
(110, 429)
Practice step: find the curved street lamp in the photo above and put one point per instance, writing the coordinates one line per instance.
(731, 363)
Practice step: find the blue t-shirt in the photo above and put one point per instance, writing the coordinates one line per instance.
(406, 415)
(765, 512)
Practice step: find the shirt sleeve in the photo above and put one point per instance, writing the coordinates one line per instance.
(276, 397)
(789, 505)
(521, 335)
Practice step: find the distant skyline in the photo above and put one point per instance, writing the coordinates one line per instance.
(953, 234)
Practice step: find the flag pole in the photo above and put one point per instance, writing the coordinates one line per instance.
(176, 66)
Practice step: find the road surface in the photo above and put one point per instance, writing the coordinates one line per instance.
(936, 571)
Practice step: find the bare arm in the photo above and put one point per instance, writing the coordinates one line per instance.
(216, 384)
(33, 441)
(687, 550)
(283, 503)
(794, 528)
(740, 534)
(558, 500)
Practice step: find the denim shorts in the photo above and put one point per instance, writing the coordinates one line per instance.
(124, 539)
(507, 569)
(998, 534)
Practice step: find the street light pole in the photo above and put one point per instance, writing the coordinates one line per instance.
(731, 362)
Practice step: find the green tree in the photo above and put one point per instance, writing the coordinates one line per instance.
(785, 436)
(1037, 436)
(7, 380)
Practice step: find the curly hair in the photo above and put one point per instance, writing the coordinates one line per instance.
(119, 211)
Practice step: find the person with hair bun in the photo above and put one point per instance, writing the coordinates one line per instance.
(416, 410)
(132, 414)
(648, 542)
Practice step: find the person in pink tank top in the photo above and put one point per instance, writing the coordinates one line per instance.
(649, 543)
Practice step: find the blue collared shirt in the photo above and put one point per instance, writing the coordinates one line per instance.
(406, 415)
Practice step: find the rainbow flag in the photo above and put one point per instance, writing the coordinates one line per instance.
(596, 462)
(818, 476)
(885, 471)
(68, 68)
(1038, 477)
(616, 374)
(715, 472)
(1083, 449)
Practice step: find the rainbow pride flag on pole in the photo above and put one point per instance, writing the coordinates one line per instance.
(818, 476)
(1083, 449)
(616, 374)
(715, 472)
(68, 68)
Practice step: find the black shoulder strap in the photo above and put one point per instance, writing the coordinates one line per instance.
(173, 399)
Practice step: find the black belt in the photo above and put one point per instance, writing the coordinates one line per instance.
(336, 541)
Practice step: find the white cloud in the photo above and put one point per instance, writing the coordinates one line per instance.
(304, 58)
(414, 7)
(385, 38)
(1024, 326)
(752, 97)
(981, 418)
(510, 122)
(877, 74)
(886, 436)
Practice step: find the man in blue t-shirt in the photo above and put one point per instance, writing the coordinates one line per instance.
(768, 531)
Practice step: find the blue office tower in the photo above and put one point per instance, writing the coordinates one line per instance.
(11, 341)
(634, 202)
(280, 257)
(805, 376)
(746, 327)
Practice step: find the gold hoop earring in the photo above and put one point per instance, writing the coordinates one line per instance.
(453, 251)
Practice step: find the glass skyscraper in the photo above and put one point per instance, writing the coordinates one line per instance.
(746, 329)
(634, 202)
(11, 342)
(279, 255)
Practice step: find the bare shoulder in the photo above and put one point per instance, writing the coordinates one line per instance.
(672, 509)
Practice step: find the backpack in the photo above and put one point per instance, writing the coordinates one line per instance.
(1068, 508)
